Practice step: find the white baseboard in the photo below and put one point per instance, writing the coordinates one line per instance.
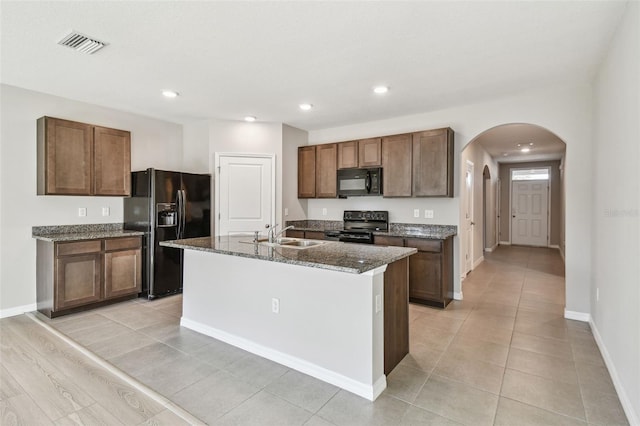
(505, 243)
(632, 416)
(17, 310)
(577, 316)
(491, 249)
(368, 391)
(554, 246)
(478, 262)
(457, 296)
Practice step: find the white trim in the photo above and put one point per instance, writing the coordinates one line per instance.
(577, 316)
(457, 296)
(561, 254)
(18, 310)
(368, 391)
(632, 416)
(478, 262)
(554, 246)
(160, 399)
(505, 243)
(491, 249)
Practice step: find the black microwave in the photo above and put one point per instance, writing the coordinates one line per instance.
(356, 182)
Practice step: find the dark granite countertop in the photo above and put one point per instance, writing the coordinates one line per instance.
(98, 231)
(404, 230)
(333, 255)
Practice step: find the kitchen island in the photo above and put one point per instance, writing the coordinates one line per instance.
(335, 311)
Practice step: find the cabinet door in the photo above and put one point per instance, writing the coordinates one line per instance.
(383, 240)
(433, 163)
(370, 152)
(425, 276)
(112, 162)
(295, 233)
(65, 158)
(307, 172)
(77, 280)
(122, 273)
(326, 170)
(396, 164)
(347, 155)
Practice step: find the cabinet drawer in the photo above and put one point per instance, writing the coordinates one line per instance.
(381, 240)
(122, 243)
(294, 233)
(78, 247)
(314, 235)
(434, 246)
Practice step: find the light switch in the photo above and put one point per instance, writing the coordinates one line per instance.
(324, 212)
(428, 214)
(416, 212)
(286, 211)
(82, 211)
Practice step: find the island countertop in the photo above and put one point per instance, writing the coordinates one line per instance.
(333, 255)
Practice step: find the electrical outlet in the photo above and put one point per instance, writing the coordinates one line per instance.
(324, 211)
(286, 211)
(275, 305)
(82, 211)
(105, 211)
(416, 212)
(428, 214)
(378, 303)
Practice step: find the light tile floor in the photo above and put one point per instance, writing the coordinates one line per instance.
(503, 356)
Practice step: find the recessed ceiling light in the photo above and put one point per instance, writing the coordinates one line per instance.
(380, 89)
(305, 107)
(525, 150)
(169, 94)
(250, 118)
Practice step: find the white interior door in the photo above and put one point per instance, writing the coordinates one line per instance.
(529, 212)
(245, 193)
(468, 217)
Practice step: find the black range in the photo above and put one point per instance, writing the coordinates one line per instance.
(359, 226)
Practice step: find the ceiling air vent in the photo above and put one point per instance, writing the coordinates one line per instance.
(82, 43)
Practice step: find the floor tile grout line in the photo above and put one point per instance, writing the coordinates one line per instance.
(160, 399)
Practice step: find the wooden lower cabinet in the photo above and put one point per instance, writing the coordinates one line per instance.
(396, 313)
(72, 276)
(430, 270)
(309, 235)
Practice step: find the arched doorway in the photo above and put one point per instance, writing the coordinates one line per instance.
(496, 151)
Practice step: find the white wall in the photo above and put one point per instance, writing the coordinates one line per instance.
(616, 207)
(565, 111)
(154, 143)
(480, 158)
(292, 138)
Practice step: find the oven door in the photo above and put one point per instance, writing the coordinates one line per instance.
(356, 237)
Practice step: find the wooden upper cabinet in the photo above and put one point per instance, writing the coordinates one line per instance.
(362, 153)
(112, 161)
(326, 170)
(82, 159)
(348, 155)
(307, 172)
(433, 163)
(396, 165)
(369, 152)
(65, 157)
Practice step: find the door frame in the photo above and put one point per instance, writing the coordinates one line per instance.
(548, 201)
(218, 156)
(469, 165)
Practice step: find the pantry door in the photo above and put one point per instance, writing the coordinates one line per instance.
(529, 212)
(245, 193)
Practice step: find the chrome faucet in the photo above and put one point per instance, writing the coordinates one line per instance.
(273, 235)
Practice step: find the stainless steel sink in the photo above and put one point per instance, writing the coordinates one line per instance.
(294, 243)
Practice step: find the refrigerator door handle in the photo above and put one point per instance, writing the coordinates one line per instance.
(183, 212)
(179, 214)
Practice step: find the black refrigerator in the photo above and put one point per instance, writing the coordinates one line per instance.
(166, 206)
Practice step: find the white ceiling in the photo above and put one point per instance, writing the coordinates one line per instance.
(504, 143)
(232, 59)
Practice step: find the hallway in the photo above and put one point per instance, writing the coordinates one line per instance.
(504, 356)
